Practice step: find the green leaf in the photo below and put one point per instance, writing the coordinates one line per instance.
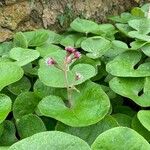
(37, 37)
(141, 25)
(123, 120)
(41, 90)
(9, 73)
(136, 11)
(5, 106)
(136, 34)
(89, 133)
(46, 49)
(1, 129)
(145, 49)
(124, 28)
(124, 65)
(120, 138)
(84, 26)
(25, 104)
(88, 107)
(143, 116)
(4, 147)
(52, 140)
(20, 40)
(132, 88)
(23, 56)
(124, 110)
(53, 37)
(9, 134)
(138, 127)
(96, 46)
(85, 70)
(30, 124)
(5, 47)
(117, 48)
(20, 86)
(70, 40)
(135, 45)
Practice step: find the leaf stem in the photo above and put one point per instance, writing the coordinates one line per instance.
(69, 89)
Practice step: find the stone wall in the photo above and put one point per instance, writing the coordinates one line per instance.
(22, 15)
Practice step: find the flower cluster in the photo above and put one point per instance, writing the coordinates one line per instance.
(70, 50)
(72, 54)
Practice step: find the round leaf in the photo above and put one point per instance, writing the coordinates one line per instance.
(120, 138)
(84, 26)
(52, 140)
(30, 124)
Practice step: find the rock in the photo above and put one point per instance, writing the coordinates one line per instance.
(12, 15)
(5, 34)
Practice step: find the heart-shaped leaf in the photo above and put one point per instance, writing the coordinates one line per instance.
(136, 89)
(88, 107)
(89, 133)
(124, 65)
(96, 46)
(143, 116)
(5, 107)
(141, 25)
(30, 124)
(120, 138)
(9, 73)
(84, 26)
(52, 140)
(23, 56)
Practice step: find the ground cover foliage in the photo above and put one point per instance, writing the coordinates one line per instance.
(85, 89)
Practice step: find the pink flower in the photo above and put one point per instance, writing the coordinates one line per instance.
(77, 54)
(70, 49)
(50, 61)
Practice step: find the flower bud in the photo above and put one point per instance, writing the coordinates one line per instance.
(50, 61)
(70, 49)
(77, 54)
